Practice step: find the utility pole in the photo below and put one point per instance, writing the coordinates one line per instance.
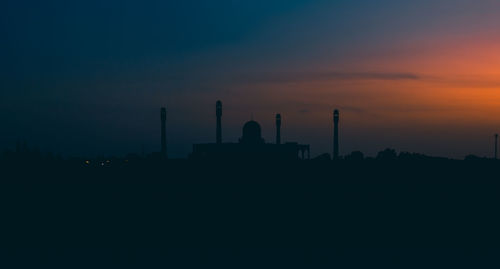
(496, 146)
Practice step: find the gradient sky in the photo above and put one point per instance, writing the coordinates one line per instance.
(89, 77)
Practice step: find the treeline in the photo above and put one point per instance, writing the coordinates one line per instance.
(25, 154)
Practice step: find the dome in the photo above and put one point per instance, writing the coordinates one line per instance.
(251, 127)
(251, 133)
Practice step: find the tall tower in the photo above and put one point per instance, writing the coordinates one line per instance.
(496, 146)
(335, 134)
(218, 113)
(163, 132)
(278, 129)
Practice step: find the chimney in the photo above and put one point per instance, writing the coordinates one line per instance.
(278, 129)
(218, 113)
(163, 132)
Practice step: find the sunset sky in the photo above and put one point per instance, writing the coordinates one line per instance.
(87, 78)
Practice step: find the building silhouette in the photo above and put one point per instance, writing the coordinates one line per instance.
(278, 129)
(218, 113)
(163, 117)
(250, 146)
(335, 134)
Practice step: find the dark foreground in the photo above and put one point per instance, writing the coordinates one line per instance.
(250, 215)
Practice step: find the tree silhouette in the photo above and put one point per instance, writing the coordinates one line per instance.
(387, 155)
(355, 156)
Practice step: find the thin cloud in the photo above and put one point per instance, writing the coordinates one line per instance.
(464, 81)
(291, 77)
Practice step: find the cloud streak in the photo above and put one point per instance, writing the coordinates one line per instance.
(294, 77)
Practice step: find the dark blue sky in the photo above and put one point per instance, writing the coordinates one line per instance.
(88, 77)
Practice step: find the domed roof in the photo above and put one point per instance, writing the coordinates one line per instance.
(251, 126)
(251, 133)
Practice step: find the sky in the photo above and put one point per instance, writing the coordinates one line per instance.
(88, 78)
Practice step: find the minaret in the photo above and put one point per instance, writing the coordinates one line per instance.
(218, 113)
(163, 132)
(496, 146)
(335, 134)
(278, 129)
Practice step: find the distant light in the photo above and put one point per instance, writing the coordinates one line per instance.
(102, 164)
(87, 162)
(108, 161)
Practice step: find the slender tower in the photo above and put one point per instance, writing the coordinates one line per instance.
(218, 113)
(163, 132)
(278, 129)
(335, 134)
(496, 146)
